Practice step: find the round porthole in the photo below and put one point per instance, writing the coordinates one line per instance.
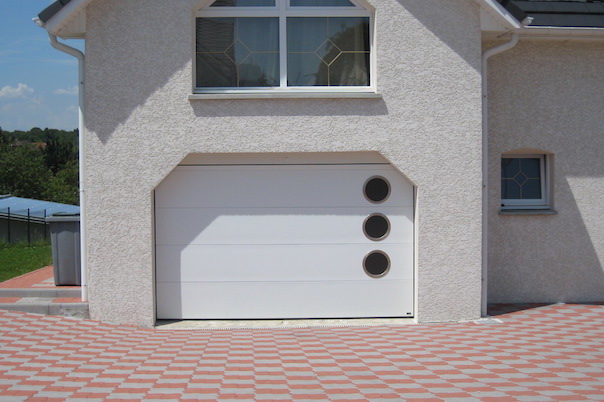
(376, 264)
(376, 227)
(377, 189)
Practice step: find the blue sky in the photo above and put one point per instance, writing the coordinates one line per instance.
(38, 84)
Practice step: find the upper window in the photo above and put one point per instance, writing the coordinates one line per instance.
(524, 182)
(283, 44)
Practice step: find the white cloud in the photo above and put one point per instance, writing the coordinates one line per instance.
(67, 91)
(20, 91)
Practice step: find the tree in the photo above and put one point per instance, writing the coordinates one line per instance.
(57, 153)
(47, 171)
(23, 172)
(4, 139)
(63, 187)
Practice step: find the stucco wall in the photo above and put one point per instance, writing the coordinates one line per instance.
(548, 96)
(140, 125)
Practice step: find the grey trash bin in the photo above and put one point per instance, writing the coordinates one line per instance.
(65, 241)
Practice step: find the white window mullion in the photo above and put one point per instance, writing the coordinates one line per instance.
(283, 47)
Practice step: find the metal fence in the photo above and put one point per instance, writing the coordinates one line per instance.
(23, 227)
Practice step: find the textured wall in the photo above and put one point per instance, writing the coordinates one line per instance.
(140, 124)
(549, 96)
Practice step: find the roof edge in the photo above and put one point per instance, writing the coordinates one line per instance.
(562, 33)
(508, 20)
(51, 10)
(58, 14)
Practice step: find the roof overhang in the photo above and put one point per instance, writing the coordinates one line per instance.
(562, 33)
(65, 18)
(496, 18)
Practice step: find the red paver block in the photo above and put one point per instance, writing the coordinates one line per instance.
(67, 300)
(29, 279)
(162, 396)
(17, 393)
(9, 299)
(314, 397)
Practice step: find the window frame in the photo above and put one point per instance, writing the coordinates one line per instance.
(529, 204)
(283, 10)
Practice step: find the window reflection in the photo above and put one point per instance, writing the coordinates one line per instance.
(328, 51)
(237, 52)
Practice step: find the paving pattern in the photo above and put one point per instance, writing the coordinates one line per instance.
(35, 292)
(544, 353)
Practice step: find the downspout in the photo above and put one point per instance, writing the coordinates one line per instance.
(485, 163)
(81, 154)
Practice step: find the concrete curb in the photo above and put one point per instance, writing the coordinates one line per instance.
(74, 310)
(32, 292)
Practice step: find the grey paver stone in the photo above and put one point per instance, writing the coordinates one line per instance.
(126, 395)
(53, 394)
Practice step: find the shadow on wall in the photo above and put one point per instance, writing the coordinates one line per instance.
(132, 56)
(549, 259)
(134, 51)
(140, 61)
(439, 16)
(539, 100)
(289, 107)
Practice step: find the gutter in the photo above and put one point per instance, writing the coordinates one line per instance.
(81, 154)
(485, 163)
(563, 33)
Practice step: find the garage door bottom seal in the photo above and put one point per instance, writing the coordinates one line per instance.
(281, 324)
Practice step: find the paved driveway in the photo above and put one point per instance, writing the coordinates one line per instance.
(545, 353)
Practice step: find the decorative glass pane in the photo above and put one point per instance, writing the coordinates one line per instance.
(243, 3)
(531, 190)
(320, 3)
(521, 179)
(303, 69)
(350, 69)
(328, 51)
(531, 167)
(237, 52)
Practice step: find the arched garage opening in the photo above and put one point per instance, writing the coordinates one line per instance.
(284, 236)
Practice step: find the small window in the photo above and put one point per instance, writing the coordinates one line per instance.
(377, 189)
(276, 45)
(524, 182)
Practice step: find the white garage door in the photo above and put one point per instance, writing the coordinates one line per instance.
(284, 241)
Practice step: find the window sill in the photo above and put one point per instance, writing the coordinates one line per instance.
(528, 212)
(285, 95)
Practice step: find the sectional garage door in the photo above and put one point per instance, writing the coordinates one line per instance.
(284, 241)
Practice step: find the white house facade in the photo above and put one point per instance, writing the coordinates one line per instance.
(256, 159)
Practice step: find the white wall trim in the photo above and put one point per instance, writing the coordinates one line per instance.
(282, 95)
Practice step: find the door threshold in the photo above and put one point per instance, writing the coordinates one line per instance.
(282, 324)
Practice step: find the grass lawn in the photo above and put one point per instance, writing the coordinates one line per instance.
(19, 259)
